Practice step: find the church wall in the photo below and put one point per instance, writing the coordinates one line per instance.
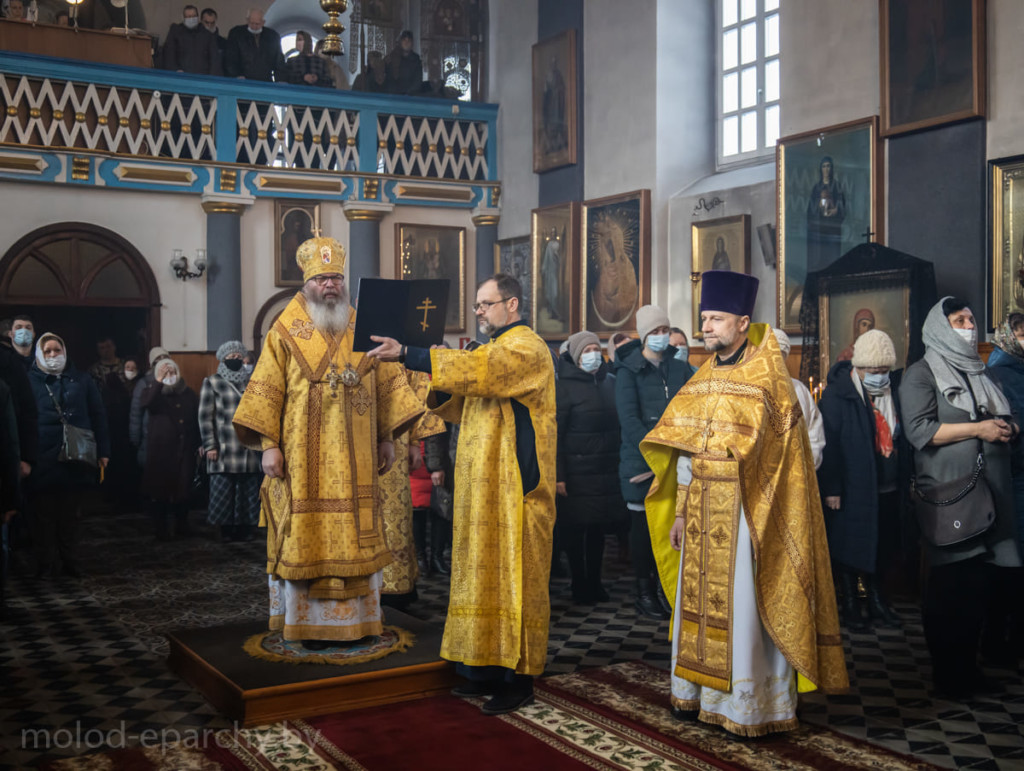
(154, 223)
(513, 31)
(1005, 63)
(830, 63)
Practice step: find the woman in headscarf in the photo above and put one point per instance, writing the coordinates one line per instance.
(56, 487)
(172, 445)
(235, 472)
(1003, 642)
(952, 410)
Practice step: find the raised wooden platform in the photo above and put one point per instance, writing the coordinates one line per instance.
(253, 691)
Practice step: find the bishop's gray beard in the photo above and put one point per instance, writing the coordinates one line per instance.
(330, 318)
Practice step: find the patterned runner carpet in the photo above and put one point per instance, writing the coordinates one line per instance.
(611, 718)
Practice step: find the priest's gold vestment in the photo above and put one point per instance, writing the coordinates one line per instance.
(327, 408)
(396, 496)
(499, 609)
(740, 424)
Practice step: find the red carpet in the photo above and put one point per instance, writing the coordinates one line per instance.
(613, 718)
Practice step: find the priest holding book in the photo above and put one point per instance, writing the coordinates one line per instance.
(503, 396)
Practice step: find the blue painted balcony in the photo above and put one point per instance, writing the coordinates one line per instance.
(67, 106)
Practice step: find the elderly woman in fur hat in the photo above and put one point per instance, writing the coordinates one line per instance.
(864, 474)
(235, 473)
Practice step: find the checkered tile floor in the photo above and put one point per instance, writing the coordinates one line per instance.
(82, 661)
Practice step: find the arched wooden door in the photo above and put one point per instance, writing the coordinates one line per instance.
(82, 282)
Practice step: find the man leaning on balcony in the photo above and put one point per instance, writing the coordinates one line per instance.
(254, 51)
(190, 47)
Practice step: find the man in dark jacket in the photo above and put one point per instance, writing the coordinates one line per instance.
(190, 47)
(208, 18)
(404, 67)
(12, 372)
(254, 50)
(647, 377)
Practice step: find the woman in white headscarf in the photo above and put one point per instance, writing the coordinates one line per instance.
(56, 487)
(952, 410)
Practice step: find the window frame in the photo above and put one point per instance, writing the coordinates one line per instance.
(763, 152)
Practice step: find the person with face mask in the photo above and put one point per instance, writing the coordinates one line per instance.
(587, 460)
(23, 335)
(677, 339)
(191, 47)
(952, 411)
(172, 445)
(235, 472)
(253, 50)
(56, 488)
(647, 377)
(864, 476)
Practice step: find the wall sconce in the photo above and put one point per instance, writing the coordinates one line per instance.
(179, 264)
(74, 11)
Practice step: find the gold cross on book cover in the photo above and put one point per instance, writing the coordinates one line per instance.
(412, 311)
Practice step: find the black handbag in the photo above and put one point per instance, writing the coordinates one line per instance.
(955, 511)
(78, 445)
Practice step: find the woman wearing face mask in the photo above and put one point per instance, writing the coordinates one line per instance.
(952, 409)
(587, 459)
(172, 443)
(648, 375)
(864, 475)
(235, 472)
(56, 488)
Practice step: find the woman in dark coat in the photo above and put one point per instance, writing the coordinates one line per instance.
(172, 446)
(863, 474)
(587, 461)
(952, 410)
(647, 377)
(56, 487)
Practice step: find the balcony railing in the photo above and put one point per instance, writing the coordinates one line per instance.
(61, 104)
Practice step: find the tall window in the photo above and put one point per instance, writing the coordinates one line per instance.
(748, 84)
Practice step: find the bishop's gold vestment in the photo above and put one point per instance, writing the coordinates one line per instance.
(326, 407)
(741, 426)
(499, 609)
(396, 496)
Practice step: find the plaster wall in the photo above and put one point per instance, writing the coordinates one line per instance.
(1005, 63)
(513, 31)
(830, 63)
(154, 223)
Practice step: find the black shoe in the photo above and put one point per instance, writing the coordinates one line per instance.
(318, 645)
(598, 594)
(474, 688)
(424, 566)
(439, 566)
(659, 592)
(647, 602)
(508, 701)
(685, 714)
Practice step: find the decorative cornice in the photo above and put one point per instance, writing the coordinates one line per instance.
(366, 211)
(483, 220)
(223, 207)
(155, 174)
(438, 193)
(21, 163)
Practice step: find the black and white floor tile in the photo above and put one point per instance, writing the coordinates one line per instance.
(82, 662)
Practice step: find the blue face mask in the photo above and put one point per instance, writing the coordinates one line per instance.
(876, 382)
(23, 336)
(590, 361)
(657, 343)
(682, 353)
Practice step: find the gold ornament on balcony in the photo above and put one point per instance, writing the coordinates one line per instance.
(333, 27)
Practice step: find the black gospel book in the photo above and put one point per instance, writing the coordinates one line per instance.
(413, 311)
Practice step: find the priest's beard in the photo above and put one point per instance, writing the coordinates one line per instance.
(330, 316)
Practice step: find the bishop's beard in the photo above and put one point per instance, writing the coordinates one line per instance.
(330, 316)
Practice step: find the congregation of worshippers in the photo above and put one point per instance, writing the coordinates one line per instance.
(759, 516)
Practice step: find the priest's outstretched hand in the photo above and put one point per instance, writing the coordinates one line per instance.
(388, 350)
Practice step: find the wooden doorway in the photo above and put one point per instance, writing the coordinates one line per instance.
(82, 282)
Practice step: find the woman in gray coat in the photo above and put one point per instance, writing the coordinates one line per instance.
(952, 410)
(235, 472)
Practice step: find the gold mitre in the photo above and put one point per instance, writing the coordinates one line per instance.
(320, 255)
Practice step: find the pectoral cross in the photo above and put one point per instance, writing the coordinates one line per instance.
(333, 378)
(426, 307)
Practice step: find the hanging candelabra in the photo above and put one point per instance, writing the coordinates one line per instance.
(333, 27)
